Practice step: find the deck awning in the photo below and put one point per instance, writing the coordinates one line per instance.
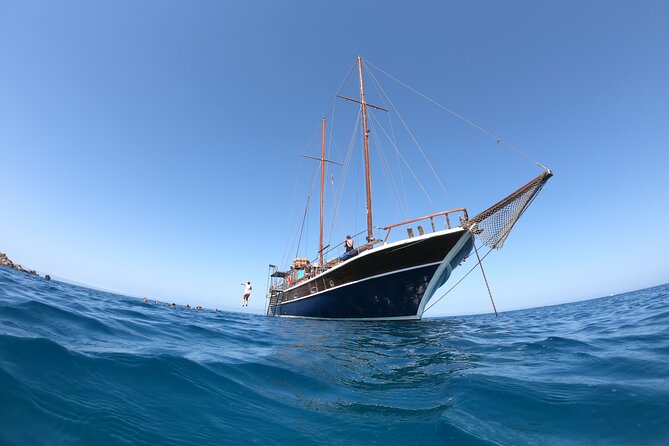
(279, 274)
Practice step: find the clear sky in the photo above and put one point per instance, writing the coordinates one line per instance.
(155, 147)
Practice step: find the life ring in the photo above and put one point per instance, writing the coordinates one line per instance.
(289, 280)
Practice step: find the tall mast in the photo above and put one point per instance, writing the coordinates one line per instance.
(320, 245)
(368, 180)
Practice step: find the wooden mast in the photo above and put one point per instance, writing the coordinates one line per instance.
(320, 245)
(323, 160)
(368, 180)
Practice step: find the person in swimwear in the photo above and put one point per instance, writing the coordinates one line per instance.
(247, 294)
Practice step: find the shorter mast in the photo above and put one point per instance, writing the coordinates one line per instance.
(322, 160)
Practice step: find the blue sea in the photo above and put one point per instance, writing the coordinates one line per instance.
(85, 367)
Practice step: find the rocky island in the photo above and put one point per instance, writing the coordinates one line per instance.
(5, 261)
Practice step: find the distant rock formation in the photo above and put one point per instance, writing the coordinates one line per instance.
(4, 261)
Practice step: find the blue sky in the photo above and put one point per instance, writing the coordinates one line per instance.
(155, 148)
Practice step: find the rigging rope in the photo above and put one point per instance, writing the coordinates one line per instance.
(306, 210)
(403, 159)
(476, 250)
(298, 238)
(420, 149)
(295, 239)
(404, 204)
(494, 232)
(304, 217)
(493, 225)
(388, 174)
(342, 180)
(498, 139)
(346, 77)
(459, 281)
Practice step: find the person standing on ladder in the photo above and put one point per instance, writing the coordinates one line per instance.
(247, 294)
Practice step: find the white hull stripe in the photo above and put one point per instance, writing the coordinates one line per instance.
(446, 263)
(394, 318)
(357, 281)
(390, 246)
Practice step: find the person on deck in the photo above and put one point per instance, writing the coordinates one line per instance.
(247, 294)
(348, 244)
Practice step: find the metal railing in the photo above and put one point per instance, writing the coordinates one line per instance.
(431, 217)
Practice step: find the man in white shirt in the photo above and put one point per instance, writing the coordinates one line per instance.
(247, 293)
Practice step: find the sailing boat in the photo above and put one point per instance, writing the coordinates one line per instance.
(382, 280)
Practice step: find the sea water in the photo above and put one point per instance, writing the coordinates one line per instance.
(85, 367)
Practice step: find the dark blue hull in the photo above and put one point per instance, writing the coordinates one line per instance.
(391, 296)
(400, 294)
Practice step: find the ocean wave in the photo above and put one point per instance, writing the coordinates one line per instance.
(81, 366)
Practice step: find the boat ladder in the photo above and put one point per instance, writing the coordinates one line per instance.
(273, 303)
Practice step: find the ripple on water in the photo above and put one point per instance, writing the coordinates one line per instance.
(80, 366)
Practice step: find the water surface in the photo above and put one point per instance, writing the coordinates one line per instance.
(81, 367)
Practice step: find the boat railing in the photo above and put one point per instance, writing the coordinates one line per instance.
(337, 249)
(435, 227)
(311, 268)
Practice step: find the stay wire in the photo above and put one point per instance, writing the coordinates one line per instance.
(459, 116)
(406, 126)
(402, 198)
(304, 217)
(391, 184)
(342, 180)
(397, 150)
(346, 77)
(459, 281)
(306, 210)
(298, 234)
(476, 250)
(480, 260)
